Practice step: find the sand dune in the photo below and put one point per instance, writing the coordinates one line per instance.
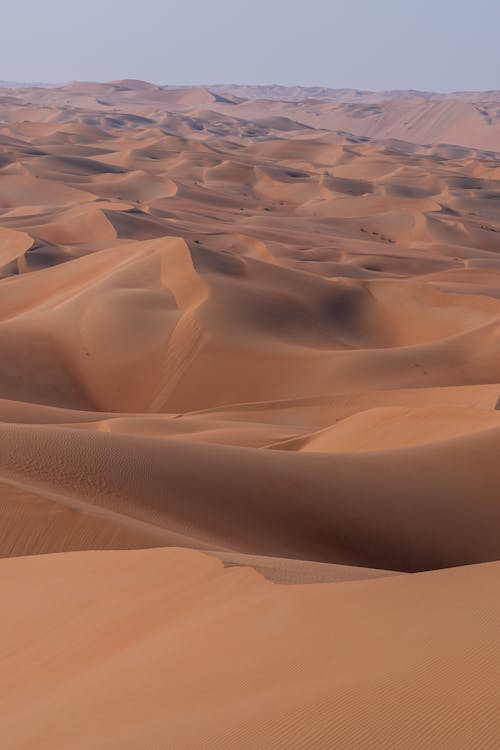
(249, 417)
(423, 506)
(213, 657)
(466, 119)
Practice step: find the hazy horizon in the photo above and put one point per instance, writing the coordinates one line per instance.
(215, 84)
(390, 45)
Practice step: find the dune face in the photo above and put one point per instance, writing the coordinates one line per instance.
(249, 418)
(188, 654)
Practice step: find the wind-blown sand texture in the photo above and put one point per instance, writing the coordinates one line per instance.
(249, 423)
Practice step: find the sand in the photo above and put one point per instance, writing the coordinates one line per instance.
(166, 648)
(249, 418)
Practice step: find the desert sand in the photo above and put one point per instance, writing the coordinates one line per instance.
(249, 418)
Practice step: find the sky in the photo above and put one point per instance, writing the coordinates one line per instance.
(438, 45)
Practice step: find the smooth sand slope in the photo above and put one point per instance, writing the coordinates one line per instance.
(166, 648)
(249, 418)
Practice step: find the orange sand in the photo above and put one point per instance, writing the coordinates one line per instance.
(251, 348)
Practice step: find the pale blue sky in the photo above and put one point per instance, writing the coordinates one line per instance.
(372, 44)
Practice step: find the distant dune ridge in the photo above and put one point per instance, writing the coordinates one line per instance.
(249, 420)
(463, 118)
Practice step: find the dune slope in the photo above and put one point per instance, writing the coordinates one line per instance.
(166, 648)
